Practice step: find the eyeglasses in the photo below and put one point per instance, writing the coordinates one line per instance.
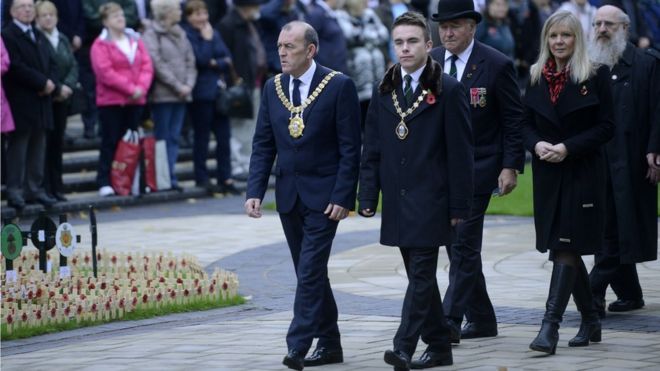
(609, 25)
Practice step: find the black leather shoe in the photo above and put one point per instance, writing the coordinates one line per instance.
(473, 330)
(17, 203)
(294, 360)
(454, 331)
(45, 200)
(623, 305)
(324, 356)
(59, 196)
(229, 188)
(398, 359)
(432, 359)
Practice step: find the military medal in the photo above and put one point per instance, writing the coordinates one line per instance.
(478, 97)
(296, 123)
(401, 129)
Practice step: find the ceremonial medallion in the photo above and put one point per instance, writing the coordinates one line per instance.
(402, 130)
(296, 126)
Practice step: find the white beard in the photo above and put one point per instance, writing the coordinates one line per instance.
(607, 52)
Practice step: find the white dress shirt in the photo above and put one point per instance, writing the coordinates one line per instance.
(414, 83)
(305, 83)
(461, 62)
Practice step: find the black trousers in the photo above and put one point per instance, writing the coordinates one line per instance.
(54, 149)
(115, 120)
(309, 234)
(608, 269)
(467, 294)
(206, 120)
(421, 314)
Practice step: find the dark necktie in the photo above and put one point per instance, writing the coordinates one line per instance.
(453, 72)
(30, 34)
(296, 92)
(407, 90)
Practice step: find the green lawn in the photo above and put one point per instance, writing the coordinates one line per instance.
(518, 202)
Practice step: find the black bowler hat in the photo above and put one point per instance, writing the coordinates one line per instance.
(455, 9)
(248, 2)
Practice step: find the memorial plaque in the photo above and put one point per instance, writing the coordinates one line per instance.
(65, 239)
(12, 241)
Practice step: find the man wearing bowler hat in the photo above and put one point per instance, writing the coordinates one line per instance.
(496, 109)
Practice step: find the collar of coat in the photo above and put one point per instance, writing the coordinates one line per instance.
(431, 78)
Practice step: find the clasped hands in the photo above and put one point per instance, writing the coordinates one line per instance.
(551, 153)
(334, 211)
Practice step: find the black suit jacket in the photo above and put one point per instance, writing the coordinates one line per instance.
(31, 66)
(495, 125)
(321, 166)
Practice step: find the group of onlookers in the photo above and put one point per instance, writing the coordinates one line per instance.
(163, 59)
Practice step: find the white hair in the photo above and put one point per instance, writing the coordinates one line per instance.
(161, 8)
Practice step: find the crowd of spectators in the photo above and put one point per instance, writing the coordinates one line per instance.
(134, 60)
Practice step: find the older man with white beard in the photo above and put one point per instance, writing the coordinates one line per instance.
(634, 162)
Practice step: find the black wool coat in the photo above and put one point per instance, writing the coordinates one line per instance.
(569, 196)
(31, 66)
(636, 89)
(427, 178)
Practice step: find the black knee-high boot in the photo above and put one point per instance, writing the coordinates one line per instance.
(590, 329)
(561, 285)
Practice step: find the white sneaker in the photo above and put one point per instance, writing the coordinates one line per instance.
(106, 191)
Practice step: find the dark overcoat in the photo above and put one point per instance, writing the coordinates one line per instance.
(496, 119)
(636, 90)
(235, 33)
(427, 178)
(32, 65)
(569, 196)
(322, 165)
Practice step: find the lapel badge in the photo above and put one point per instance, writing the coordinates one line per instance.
(469, 75)
(478, 97)
(614, 77)
(583, 90)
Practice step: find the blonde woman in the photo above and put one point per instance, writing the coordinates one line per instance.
(568, 119)
(175, 75)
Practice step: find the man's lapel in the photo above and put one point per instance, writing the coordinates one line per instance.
(474, 66)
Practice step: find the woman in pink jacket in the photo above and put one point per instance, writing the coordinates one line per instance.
(6, 120)
(123, 72)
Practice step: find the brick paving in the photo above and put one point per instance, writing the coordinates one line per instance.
(369, 285)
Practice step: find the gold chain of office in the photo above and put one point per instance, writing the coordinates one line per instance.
(401, 129)
(296, 124)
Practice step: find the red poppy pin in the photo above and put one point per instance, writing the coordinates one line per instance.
(430, 98)
(583, 90)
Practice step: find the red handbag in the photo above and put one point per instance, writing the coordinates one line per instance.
(125, 162)
(149, 148)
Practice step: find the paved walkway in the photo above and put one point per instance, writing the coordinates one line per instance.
(369, 285)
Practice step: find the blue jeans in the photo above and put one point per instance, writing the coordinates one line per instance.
(168, 120)
(205, 120)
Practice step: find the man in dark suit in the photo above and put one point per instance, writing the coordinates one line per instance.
(418, 153)
(633, 156)
(496, 112)
(310, 119)
(29, 87)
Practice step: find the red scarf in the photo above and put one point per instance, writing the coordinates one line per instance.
(556, 80)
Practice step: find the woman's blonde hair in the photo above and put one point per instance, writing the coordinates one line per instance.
(108, 8)
(161, 8)
(44, 6)
(579, 66)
